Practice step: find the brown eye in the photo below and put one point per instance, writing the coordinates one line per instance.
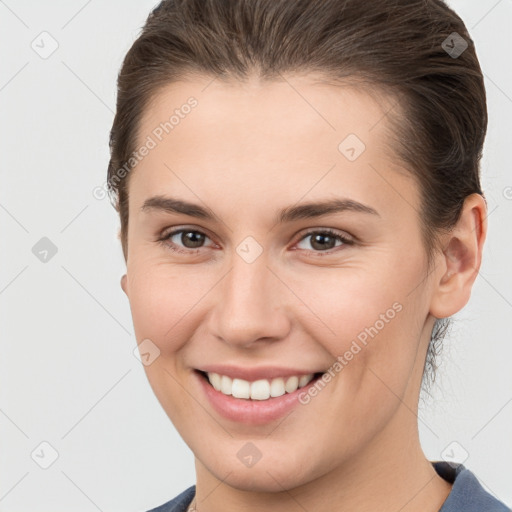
(325, 240)
(184, 240)
(192, 239)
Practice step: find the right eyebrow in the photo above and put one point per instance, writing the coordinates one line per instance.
(172, 205)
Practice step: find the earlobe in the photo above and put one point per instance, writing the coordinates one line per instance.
(123, 283)
(461, 259)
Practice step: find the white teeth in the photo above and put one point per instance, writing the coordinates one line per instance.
(304, 380)
(259, 389)
(291, 384)
(215, 380)
(240, 388)
(226, 385)
(277, 387)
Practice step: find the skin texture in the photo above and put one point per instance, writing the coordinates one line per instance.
(246, 151)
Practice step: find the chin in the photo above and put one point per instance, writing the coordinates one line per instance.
(265, 476)
(259, 481)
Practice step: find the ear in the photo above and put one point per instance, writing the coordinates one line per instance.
(124, 283)
(459, 263)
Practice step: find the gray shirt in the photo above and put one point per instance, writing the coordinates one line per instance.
(467, 494)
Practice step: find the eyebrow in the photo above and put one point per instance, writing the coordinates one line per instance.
(291, 213)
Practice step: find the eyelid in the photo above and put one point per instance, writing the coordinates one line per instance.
(344, 237)
(331, 231)
(346, 240)
(166, 234)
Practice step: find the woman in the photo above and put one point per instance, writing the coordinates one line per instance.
(301, 211)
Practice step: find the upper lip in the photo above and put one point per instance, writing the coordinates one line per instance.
(255, 373)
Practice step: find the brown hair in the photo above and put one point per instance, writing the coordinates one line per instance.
(406, 48)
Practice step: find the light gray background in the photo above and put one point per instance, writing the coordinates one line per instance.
(67, 369)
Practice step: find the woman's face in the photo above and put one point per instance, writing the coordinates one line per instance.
(256, 290)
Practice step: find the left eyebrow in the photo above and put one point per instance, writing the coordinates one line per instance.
(291, 213)
(317, 209)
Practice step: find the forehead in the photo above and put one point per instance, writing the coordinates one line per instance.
(288, 107)
(288, 134)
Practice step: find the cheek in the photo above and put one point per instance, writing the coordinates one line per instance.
(164, 300)
(366, 318)
(343, 302)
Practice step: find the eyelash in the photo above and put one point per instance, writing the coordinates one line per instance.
(164, 240)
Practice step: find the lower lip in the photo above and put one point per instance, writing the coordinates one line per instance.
(253, 412)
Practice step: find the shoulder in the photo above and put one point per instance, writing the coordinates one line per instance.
(467, 492)
(179, 503)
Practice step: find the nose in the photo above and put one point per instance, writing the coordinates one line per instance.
(251, 305)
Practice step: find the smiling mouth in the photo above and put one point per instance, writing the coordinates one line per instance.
(262, 389)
